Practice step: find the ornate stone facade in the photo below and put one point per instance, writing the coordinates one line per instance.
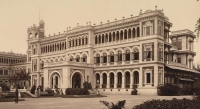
(113, 56)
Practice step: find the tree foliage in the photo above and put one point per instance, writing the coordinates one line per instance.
(197, 28)
(22, 76)
(118, 105)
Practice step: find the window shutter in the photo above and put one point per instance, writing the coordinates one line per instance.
(124, 56)
(132, 56)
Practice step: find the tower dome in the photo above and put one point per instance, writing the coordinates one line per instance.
(41, 21)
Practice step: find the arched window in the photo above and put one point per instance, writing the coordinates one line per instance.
(148, 28)
(119, 56)
(102, 38)
(99, 39)
(119, 79)
(95, 39)
(77, 58)
(84, 58)
(106, 38)
(112, 57)
(121, 34)
(110, 39)
(129, 33)
(104, 58)
(127, 55)
(125, 34)
(136, 54)
(97, 58)
(160, 28)
(113, 36)
(117, 35)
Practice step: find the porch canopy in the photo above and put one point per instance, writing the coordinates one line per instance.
(183, 69)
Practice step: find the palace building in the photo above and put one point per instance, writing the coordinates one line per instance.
(113, 56)
(10, 64)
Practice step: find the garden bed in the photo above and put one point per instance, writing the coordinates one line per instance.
(82, 96)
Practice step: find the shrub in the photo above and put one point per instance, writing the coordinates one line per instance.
(169, 104)
(118, 105)
(196, 93)
(4, 87)
(33, 88)
(76, 91)
(87, 85)
(169, 90)
(49, 90)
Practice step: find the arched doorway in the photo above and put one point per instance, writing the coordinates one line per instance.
(112, 80)
(55, 80)
(76, 80)
(104, 80)
(97, 80)
(127, 79)
(136, 77)
(119, 80)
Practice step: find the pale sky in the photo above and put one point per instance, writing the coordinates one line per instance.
(17, 15)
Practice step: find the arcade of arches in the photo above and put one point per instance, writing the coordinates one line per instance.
(117, 79)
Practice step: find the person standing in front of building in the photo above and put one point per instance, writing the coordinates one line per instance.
(16, 95)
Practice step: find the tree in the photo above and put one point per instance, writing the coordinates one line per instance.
(22, 76)
(111, 105)
(197, 28)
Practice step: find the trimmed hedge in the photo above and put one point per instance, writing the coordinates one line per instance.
(168, 90)
(76, 91)
(169, 104)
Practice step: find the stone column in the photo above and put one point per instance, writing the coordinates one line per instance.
(156, 26)
(38, 79)
(97, 39)
(115, 81)
(101, 81)
(136, 32)
(123, 35)
(108, 59)
(53, 82)
(123, 81)
(108, 81)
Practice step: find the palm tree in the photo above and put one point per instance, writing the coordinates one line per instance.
(197, 28)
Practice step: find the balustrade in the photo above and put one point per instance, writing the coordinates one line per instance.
(178, 64)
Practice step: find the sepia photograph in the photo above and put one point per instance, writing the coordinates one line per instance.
(99, 54)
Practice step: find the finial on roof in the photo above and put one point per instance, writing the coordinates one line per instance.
(123, 17)
(131, 15)
(101, 22)
(108, 21)
(162, 10)
(89, 23)
(86, 23)
(94, 24)
(140, 11)
(156, 7)
(115, 19)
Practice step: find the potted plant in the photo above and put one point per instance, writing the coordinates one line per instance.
(134, 91)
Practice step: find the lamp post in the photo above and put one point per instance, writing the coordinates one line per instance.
(97, 87)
